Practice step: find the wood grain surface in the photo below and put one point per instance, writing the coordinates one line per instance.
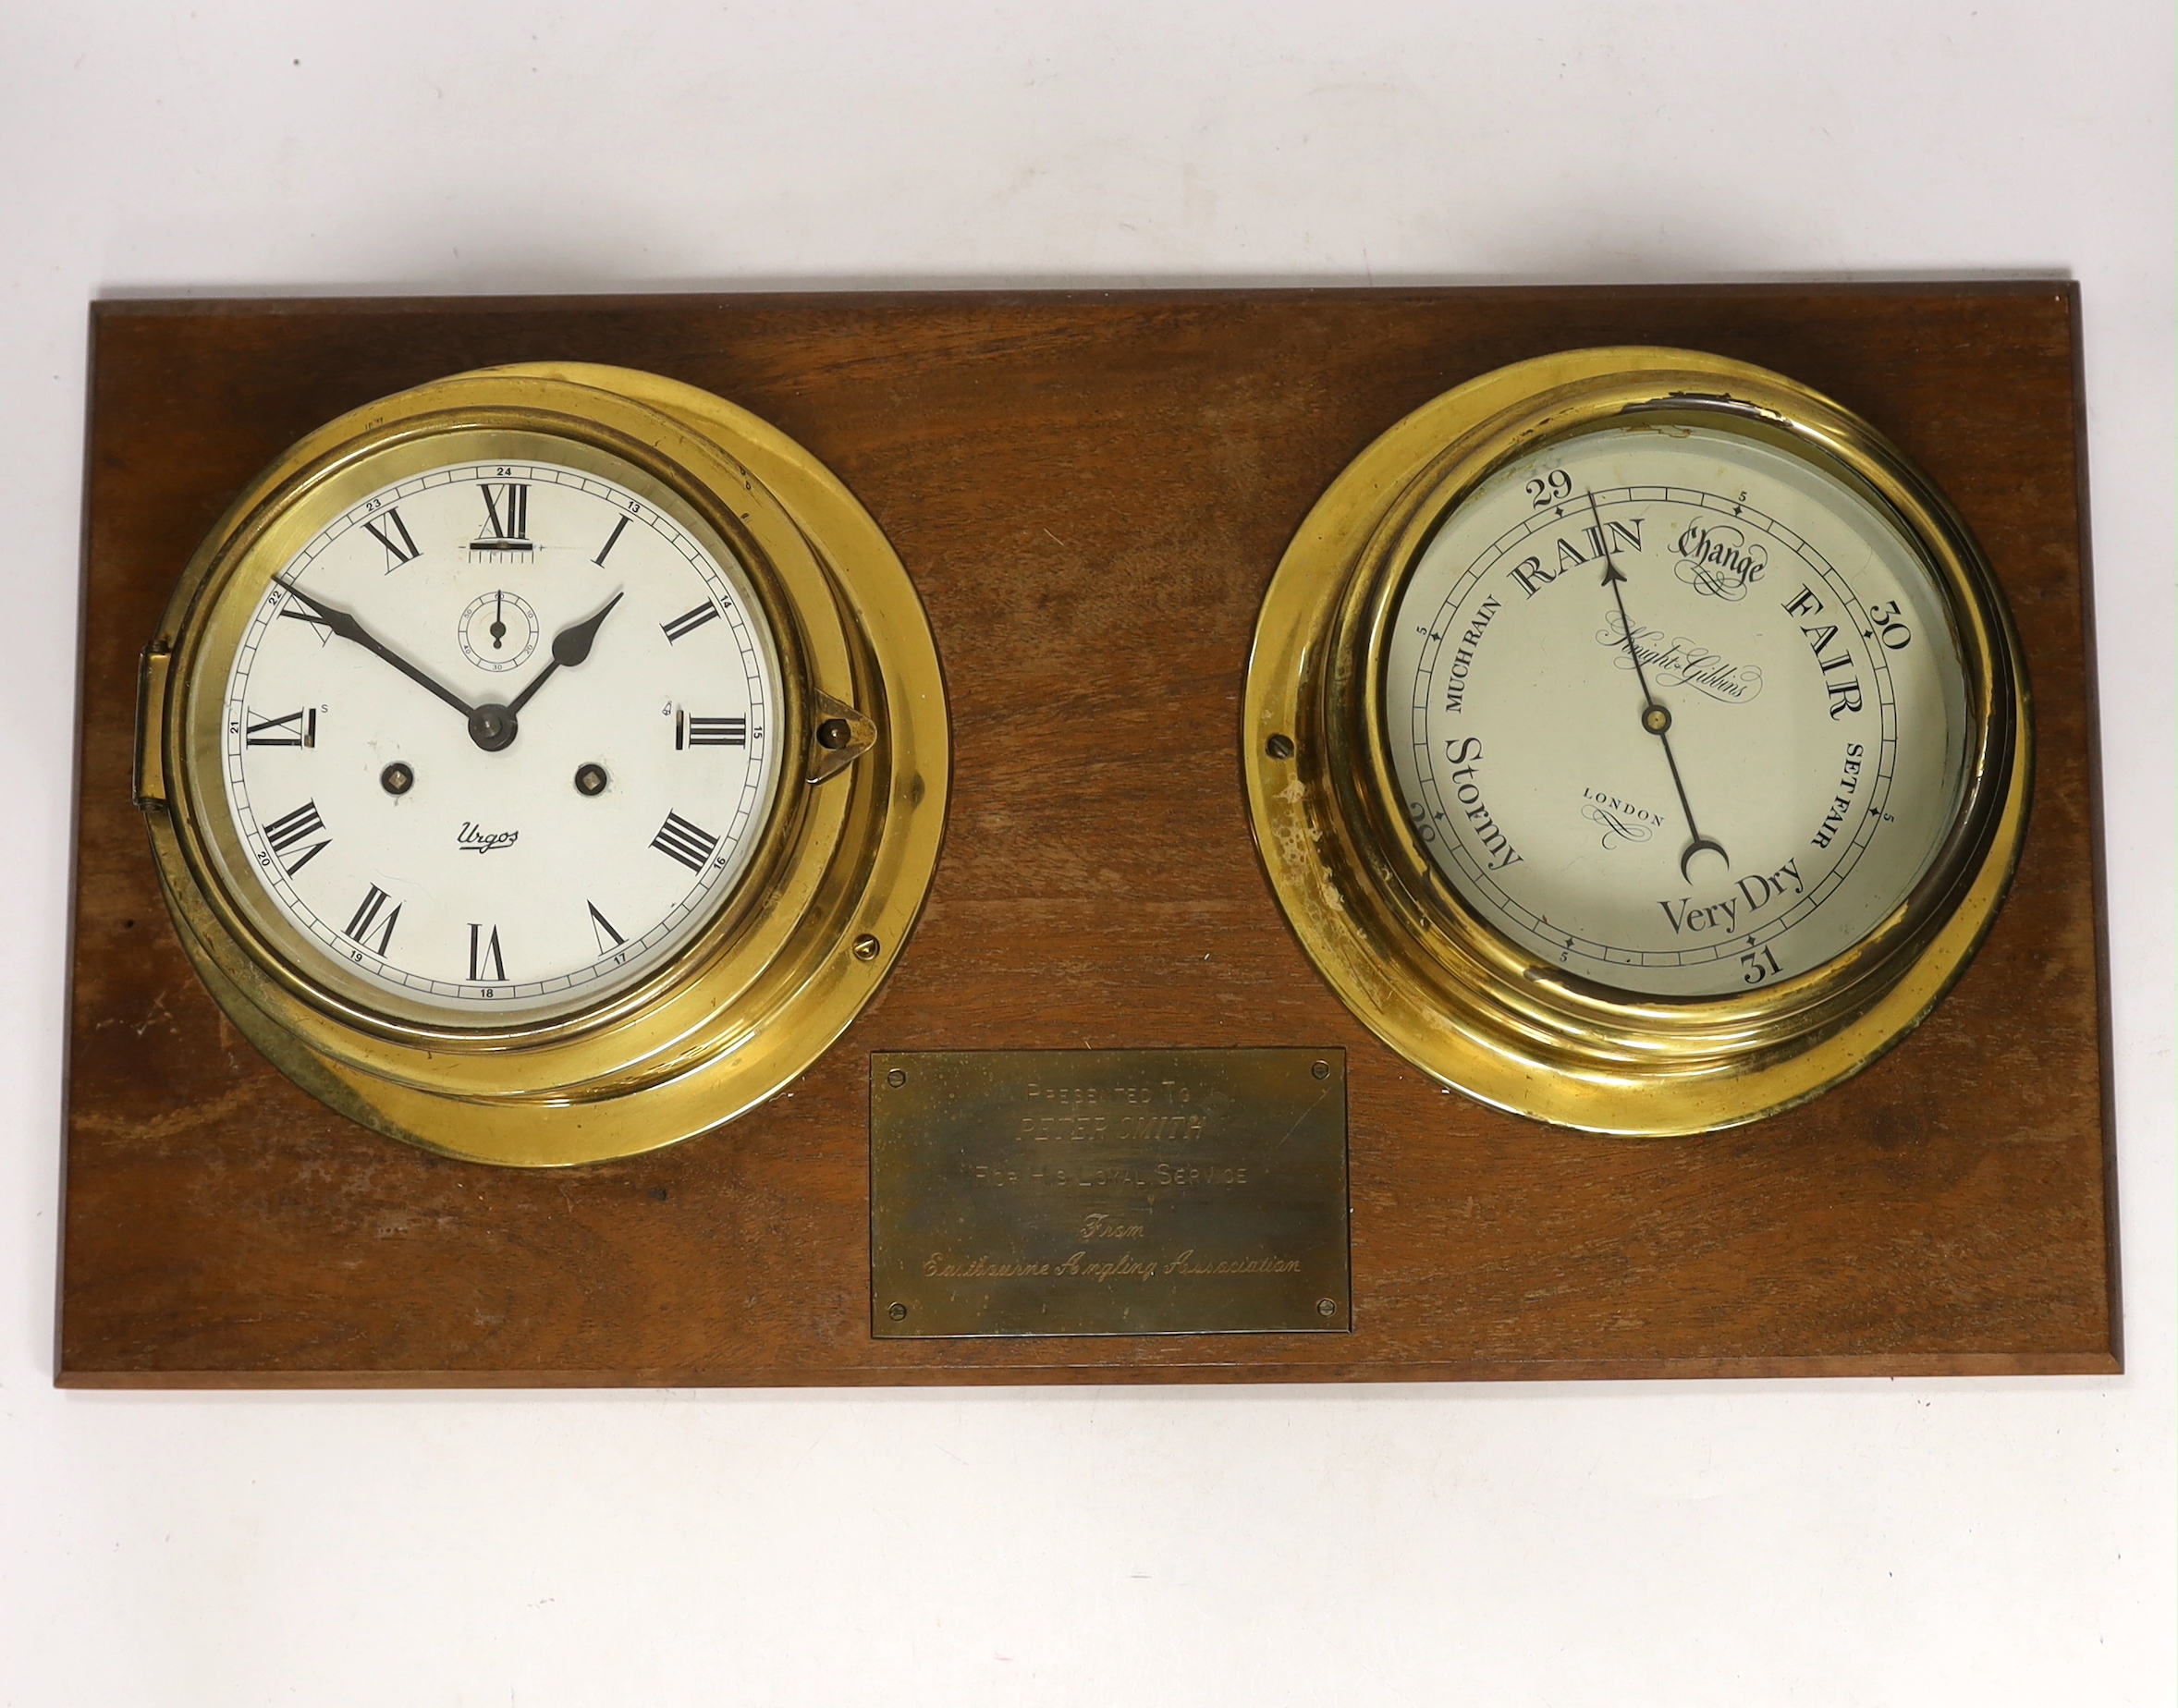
(1091, 490)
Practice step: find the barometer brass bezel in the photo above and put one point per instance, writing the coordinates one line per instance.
(1392, 936)
(807, 933)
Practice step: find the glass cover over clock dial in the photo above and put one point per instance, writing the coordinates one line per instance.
(1673, 710)
(498, 739)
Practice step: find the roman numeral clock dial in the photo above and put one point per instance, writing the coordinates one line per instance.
(500, 746)
(1684, 710)
(493, 662)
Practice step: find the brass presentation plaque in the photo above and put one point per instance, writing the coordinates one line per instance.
(1108, 1193)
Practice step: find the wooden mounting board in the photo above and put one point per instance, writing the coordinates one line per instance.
(1091, 490)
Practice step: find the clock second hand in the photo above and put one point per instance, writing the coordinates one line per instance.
(1656, 717)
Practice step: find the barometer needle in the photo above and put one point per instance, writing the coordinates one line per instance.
(342, 624)
(570, 648)
(1654, 716)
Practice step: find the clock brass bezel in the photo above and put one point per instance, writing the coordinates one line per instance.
(229, 600)
(1389, 931)
(792, 952)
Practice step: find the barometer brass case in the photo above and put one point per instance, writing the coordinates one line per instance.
(1412, 959)
(795, 951)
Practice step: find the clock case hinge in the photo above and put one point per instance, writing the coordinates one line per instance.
(150, 724)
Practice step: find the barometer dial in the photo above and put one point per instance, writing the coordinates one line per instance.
(1637, 740)
(1675, 711)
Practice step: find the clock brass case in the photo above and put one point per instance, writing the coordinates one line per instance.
(1411, 960)
(844, 860)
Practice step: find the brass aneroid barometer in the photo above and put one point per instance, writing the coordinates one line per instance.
(1637, 741)
(543, 765)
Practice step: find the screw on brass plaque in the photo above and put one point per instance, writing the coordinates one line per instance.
(1108, 1193)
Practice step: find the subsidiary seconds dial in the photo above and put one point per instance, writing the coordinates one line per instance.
(1675, 711)
(497, 740)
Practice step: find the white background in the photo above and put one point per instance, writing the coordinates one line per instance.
(1733, 1543)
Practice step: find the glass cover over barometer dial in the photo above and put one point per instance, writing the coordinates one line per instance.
(1674, 710)
(1637, 741)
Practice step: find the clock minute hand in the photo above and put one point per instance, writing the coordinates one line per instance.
(570, 648)
(1656, 717)
(344, 624)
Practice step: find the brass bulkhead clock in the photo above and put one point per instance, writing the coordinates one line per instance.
(1637, 741)
(543, 765)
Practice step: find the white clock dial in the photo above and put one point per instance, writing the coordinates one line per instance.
(499, 739)
(1675, 711)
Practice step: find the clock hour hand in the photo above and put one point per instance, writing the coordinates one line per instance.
(1656, 717)
(570, 648)
(344, 624)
